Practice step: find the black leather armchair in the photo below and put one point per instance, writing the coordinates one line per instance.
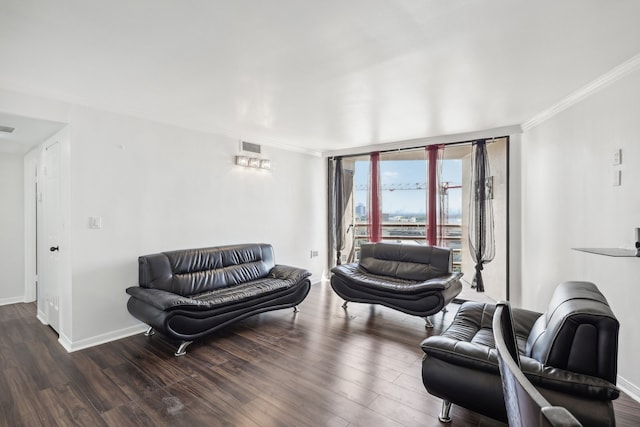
(526, 407)
(414, 279)
(569, 353)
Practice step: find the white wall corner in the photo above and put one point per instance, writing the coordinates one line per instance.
(515, 220)
(72, 346)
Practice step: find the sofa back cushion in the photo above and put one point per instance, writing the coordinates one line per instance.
(578, 332)
(194, 271)
(405, 261)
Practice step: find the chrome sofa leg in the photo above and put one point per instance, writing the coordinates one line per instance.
(182, 350)
(445, 416)
(149, 332)
(344, 305)
(295, 309)
(427, 323)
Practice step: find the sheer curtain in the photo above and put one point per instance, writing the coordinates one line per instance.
(375, 208)
(481, 225)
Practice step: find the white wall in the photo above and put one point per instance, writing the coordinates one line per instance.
(11, 229)
(158, 187)
(569, 201)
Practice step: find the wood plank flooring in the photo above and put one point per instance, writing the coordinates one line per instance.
(321, 366)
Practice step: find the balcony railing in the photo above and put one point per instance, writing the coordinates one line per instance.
(410, 232)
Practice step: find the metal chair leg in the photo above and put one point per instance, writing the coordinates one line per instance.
(445, 416)
(182, 350)
(427, 323)
(149, 332)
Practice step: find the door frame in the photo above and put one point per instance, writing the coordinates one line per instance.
(33, 166)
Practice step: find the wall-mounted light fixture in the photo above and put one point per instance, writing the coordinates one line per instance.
(242, 161)
(265, 164)
(253, 162)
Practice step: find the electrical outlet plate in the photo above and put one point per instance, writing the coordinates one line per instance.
(617, 157)
(617, 178)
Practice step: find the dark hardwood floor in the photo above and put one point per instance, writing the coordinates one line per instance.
(321, 366)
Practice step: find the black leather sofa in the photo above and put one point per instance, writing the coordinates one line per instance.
(414, 279)
(569, 353)
(188, 294)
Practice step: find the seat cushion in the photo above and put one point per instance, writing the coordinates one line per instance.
(359, 277)
(242, 292)
(468, 341)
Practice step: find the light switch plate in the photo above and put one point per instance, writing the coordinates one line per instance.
(95, 222)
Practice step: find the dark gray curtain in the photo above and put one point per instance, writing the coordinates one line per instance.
(481, 229)
(341, 188)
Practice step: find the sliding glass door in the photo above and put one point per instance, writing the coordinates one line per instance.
(404, 191)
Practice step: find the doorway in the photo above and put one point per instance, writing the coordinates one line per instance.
(47, 274)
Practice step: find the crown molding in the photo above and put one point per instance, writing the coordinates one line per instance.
(586, 91)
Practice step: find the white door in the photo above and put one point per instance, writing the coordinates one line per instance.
(50, 233)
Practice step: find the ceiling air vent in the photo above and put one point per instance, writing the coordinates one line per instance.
(250, 147)
(9, 129)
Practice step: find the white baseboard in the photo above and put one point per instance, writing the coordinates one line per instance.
(630, 389)
(65, 342)
(72, 346)
(12, 300)
(42, 318)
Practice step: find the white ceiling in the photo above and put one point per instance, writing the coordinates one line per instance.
(317, 75)
(27, 133)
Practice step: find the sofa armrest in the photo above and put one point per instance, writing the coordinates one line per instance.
(441, 282)
(288, 273)
(484, 358)
(163, 300)
(568, 382)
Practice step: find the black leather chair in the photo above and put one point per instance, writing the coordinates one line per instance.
(414, 279)
(526, 407)
(569, 353)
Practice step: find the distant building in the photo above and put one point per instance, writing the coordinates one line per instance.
(361, 210)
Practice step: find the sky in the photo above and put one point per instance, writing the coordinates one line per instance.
(407, 172)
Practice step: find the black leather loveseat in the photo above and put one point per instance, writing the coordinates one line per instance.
(569, 353)
(414, 279)
(188, 294)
